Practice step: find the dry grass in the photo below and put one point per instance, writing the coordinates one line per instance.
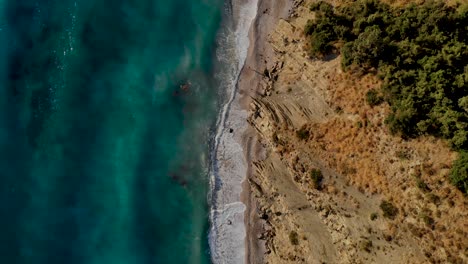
(379, 163)
(357, 143)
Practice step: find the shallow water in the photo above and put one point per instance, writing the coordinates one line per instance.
(103, 156)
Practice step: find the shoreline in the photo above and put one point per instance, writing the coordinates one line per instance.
(234, 219)
(227, 229)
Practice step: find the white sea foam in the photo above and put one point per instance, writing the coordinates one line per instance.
(227, 233)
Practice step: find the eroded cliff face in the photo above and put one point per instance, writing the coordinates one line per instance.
(312, 116)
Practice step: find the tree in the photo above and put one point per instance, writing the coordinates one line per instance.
(459, 172)
(368, 46)
(320, 43)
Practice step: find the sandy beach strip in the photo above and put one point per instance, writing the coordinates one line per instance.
(227, 231)
(234, 225)
(250, 85)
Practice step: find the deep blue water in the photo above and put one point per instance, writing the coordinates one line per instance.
(103, 154)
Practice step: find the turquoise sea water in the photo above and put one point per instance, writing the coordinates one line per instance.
(103, 155)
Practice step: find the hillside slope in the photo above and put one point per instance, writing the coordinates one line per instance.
(382, 199)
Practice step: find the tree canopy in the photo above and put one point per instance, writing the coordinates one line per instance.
(419, 51)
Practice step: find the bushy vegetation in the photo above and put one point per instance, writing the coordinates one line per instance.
(459, 173)
(427, 219)
(303, 133)
(317, 178)
(419, 51)
(389, 210)
(294, 238)
(373, 98)
(422, 185)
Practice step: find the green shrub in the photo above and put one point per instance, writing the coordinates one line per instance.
(422, 185)
(303, 133)
(388, 209)
(323, 7)
(359, 124)
(459, 172)
(368, 47)
(428, 220)
(320, 43)
(347, 55)
(309, 27)
(373, 98)
(294, 238)
(374, 216)
(317, 178)
(433, 198)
